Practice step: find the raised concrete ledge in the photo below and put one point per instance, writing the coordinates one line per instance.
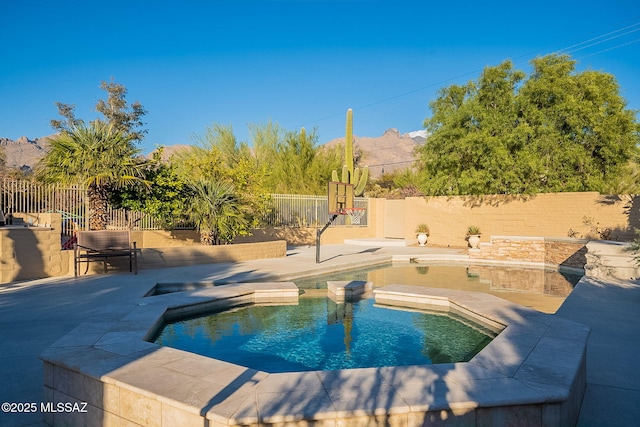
(527, 238)
(347, 290)
(535, 350)
(607, 259)
(533, 372)
(377, 242)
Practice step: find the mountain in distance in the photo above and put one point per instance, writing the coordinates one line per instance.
(387, 153)
(24, 153)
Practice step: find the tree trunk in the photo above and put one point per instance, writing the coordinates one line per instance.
(209, 238)
(98, 202)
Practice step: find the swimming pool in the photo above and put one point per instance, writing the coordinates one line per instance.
(534, 370)
(319, 334)
(542, 289)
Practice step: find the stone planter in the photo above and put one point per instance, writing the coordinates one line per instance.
(474, 241)
(422, 239)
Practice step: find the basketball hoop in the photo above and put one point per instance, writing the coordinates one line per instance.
(355, 214)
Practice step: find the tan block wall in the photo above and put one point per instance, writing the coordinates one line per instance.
(31, 253)
(307, 235)
(165, 238)
(192, 255)
(540, 215)
(52, 220)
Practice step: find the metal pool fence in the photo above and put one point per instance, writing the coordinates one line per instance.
(285, 210)
(292, 210)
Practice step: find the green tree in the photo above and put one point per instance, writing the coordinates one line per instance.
(297, 165)
(557, 130)
(96, 155)
(115, 110)
(163, 194)
(325, 161)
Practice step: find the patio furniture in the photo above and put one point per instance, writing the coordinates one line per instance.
(101, 245)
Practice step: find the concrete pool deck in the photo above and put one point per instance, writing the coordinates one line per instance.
(33, 315)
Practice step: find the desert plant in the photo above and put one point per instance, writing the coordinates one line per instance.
(473, 230)
(422, 228)
(634, 247)
(595, 231)
(358, 177)
(217, 212)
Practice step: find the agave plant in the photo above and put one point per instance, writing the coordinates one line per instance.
(422, 229)
(473, 230)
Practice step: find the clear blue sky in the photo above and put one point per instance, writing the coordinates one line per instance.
(295, 62)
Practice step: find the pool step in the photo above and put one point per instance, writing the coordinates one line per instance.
(347, 290)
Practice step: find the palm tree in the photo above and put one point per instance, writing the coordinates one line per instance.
(96, 155)
(217, 212)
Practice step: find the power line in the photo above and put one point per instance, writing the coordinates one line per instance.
(571, 49)
(612, 35)
(611, 48)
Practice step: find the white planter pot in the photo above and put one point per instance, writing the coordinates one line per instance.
(474, 241)
(422, 239)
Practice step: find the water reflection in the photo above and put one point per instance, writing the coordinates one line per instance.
(320, 334)
(539, 288)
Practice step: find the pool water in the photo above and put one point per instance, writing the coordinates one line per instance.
(542, 289)
(320, 334)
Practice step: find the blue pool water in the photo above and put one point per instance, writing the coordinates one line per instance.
(319, 334)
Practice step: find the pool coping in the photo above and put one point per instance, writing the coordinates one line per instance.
(533, 371)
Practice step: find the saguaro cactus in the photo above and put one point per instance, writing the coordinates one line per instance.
(358, 177)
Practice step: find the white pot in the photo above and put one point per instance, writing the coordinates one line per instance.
(474, 241)
(422, 239)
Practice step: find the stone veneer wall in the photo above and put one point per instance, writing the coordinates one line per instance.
(565, 252)
(534, 250)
